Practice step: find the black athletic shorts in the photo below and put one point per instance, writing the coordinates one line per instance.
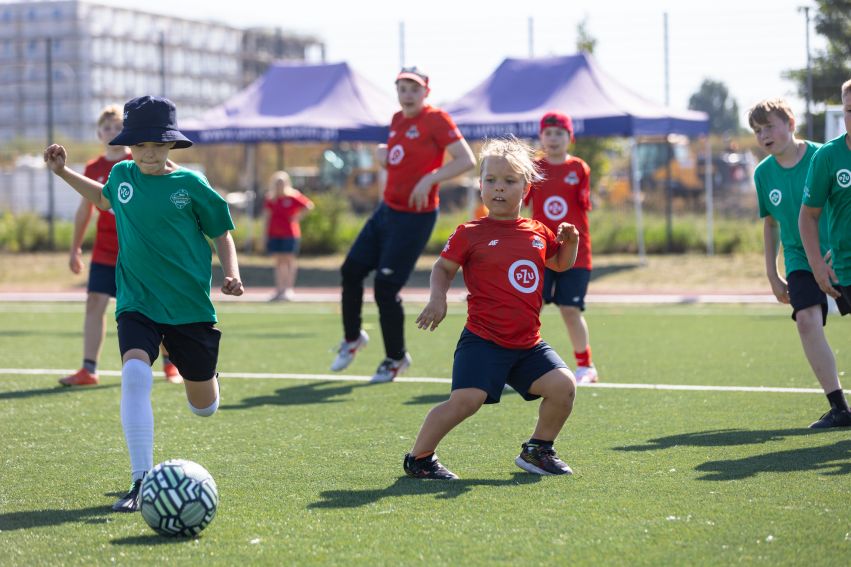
(804, 292)
(844, 300)
(193, 347)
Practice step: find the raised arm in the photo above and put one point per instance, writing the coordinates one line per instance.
(808, 226)
(55, 157)
(442, 274)
(226, 250)
(461, 160)
(568, 238)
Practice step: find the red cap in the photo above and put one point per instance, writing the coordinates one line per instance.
(559, 120)
(413, 74)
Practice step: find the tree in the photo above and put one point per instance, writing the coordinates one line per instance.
(585, 42)
(714, 98)
(831, 66)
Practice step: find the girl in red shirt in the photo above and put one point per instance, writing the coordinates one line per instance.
(504, 257)
(284, 206)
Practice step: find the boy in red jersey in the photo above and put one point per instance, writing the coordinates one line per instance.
(503, 256)
(285, 206)
(101, 283)
(395, 235)
(564, 195)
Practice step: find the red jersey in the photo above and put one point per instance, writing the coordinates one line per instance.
(283, 215)
(415, 147)
(564, 196)
(105, 250)
(503, 265)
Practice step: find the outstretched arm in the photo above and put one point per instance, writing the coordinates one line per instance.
(55, 157)
(434, 312)
(227, 256)
(568, 238)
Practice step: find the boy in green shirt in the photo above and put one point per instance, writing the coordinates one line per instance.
(163, 274)
(779, 180)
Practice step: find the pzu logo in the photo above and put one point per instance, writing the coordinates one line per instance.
(523, 276)
(843, 178)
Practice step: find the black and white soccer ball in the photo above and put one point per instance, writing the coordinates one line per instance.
(179, 498)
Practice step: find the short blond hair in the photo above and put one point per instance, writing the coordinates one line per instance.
(516, 152)
(846, 88)
(111, 112)
(761, 111)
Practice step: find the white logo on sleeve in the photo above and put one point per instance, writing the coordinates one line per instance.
(125, 192)
(523, 276)
(775, 196)
(843, 178)
(397, 153)
(493, 242)
(555, 208)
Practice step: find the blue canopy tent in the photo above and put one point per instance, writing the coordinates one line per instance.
(515, 96)
(294, 102)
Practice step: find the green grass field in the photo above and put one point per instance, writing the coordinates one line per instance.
(309, 470)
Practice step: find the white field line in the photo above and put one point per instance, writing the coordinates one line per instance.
(347, 378)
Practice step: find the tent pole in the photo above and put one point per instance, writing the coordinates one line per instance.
(636, 196)
(710, 204)
(251, 193)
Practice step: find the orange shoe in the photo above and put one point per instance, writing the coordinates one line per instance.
(172, 374)
(81, 378)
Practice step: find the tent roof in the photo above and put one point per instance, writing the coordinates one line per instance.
(298, 102)
(515, 96)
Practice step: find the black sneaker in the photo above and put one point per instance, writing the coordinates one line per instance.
(834, 418)
(131, 501)
(427, 468)
(541, 460)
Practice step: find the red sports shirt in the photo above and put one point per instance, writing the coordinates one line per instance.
(564, 196)
(105, 250)
(503, 265)
(415, 147)
(283, 212)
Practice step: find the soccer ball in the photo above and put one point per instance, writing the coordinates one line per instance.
(179, 498)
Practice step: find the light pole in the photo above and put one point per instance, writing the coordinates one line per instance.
(809, 97)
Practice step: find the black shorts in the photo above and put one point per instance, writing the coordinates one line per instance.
(101, 279)
(193, 347)
(567, 288)
(844, 299)
(804, 292)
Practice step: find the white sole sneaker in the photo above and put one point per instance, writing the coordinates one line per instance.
(347, 350)
(586, 375)
(389, 369)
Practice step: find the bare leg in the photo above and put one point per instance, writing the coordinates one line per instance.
(280, 275)
(577, 328)
(558, 390)
(202, 394)
(816, 348)
(94, 326)
(444, 417)
(289, 271)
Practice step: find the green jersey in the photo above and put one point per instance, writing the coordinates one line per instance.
(779, 192)
(829, 187)
(164, 262)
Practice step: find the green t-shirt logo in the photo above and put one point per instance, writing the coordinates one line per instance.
(775, 196)
(843, 178)
(180, 198)
(125, 192)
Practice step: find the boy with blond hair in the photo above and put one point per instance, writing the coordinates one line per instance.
(779, 180)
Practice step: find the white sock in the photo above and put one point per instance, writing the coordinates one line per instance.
(137, 415)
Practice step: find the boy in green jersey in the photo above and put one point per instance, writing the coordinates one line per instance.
(829, 183)
(163, 273)
(779, 180)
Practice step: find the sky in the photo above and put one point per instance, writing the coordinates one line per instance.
(745, 44)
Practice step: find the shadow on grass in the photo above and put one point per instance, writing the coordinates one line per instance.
(831, 459)
(151, 539)
(431, 399)
(42, 518)
(312, 393)
(720, 438)
(22, 394)
(405, 486)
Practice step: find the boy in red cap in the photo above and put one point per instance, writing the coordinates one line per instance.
(564, 195)
(395, 235)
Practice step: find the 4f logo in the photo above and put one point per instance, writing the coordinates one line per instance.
(523, 276)
(843, 178)
(125, 192)
(775, 196)
(555, 208)
(493, 242)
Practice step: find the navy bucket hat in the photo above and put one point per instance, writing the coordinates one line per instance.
(150, 119)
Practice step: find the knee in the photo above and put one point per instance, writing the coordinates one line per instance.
(563, 390)
(207, 411)
(387, 292)
(809, 320)
(571, 312)
(466, 403)
(353, 273)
